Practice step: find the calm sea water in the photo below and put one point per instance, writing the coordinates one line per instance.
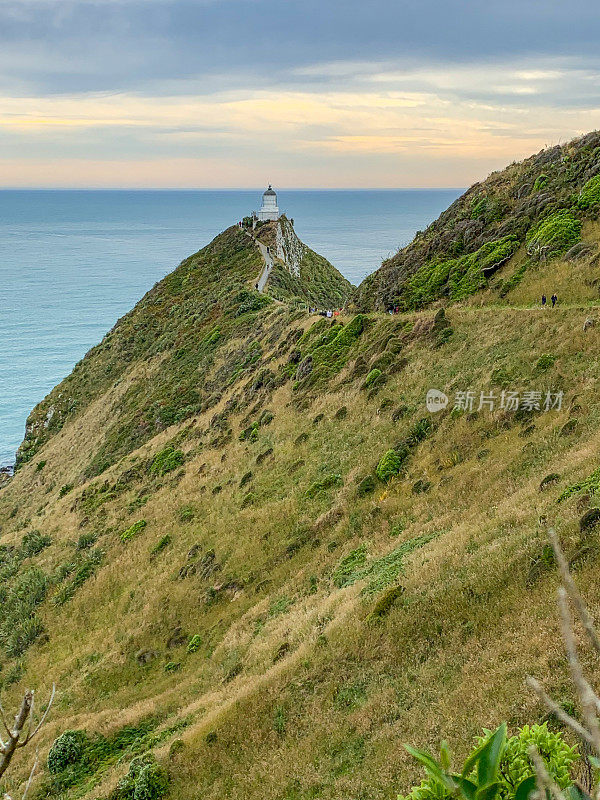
(73, 262)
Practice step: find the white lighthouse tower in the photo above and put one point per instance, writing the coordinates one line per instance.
(269, 209)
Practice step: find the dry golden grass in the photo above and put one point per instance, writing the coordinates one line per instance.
(279, 637)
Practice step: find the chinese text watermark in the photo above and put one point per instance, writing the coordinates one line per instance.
(470, 400)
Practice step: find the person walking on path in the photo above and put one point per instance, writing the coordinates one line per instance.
(543, 300)
(554, 299)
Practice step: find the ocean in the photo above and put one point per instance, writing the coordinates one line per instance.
(73, 262)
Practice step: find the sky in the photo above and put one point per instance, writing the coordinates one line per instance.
(300, 93)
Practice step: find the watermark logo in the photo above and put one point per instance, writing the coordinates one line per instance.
(469, 400)
(436, 400)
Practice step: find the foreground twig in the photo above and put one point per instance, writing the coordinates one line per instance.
(589, 730)
(21, 733)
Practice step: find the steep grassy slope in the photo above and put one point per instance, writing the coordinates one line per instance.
(499, 232)
(266, 615)
(238, 541)
(192, 336)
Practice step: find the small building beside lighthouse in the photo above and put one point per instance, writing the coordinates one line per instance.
(269, 209)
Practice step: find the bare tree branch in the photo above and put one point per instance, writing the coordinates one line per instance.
(589, 731)
(587, 696)
(562, 715)
(31, 774)
(23, 720)
(573, 592)
(43, 719)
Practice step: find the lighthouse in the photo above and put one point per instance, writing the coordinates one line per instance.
(269, 209)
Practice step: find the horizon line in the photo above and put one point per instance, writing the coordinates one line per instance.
(230, 189)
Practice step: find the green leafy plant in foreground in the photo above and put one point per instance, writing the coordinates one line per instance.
(499, 767)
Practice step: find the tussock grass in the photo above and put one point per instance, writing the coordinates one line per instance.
(277, 631)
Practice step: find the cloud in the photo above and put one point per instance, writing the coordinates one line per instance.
(341, 93)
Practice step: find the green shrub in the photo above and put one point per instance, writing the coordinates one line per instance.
(40, 466)
(456, 278)
(330, 352)
(249, 434)
(590, 485)
(145, 780)
(390, 464)
(344, 574)
(385, 602)
(194, 644)
(86, 540)
(166, 460)
(246, 478)
(589, 196)
(22, 635)
(266, 418)
(325, 483)
(152, 783)
(279, 720)
(83, 572)
(279, 606)
(33, 543)
(544, 362)
(515, 763)
(163, 542)
(68, 487)
(133, 530)
(186, 513)
(498, 767)
(553, 235)
(68, 749)
(374, 378)
(540, 182)
(381, 572)
(419, 431)
(173, 666)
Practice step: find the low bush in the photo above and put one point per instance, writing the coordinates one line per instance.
(390, 464)
(328, 482)
(166, 460)
(553, 235)
(194, 644)
(366, 486)
(86, 540)
(589, 196)
(33, 543)
(459, 277)
(133, 530)
(68, 749)
(162, 543)
(544, 362)
(145, 780)
(348, 567)
(590, 485)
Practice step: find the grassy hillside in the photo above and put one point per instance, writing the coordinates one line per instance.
(502, 233)
(193, 336)
(240, 544)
